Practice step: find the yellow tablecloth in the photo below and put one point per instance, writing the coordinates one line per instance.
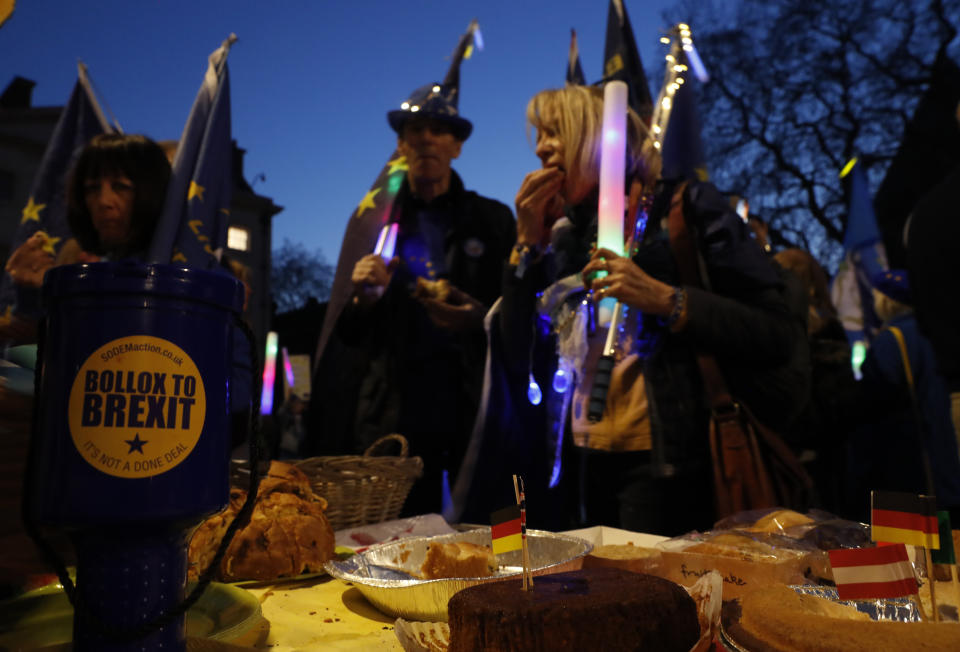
(320, 614)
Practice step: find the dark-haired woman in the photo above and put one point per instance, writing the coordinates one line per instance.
(114, 196)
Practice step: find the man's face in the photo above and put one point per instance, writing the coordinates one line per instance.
(429, 146)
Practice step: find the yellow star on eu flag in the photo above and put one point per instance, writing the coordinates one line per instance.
(397, 164)
(367, 201)
(195, 190)
(49, 245)
(31, 211)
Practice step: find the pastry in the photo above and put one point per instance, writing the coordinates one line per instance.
(790, 622)
(288, 533)
(457, 559)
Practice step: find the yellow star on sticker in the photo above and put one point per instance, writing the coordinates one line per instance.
(49, 245)
(367, 201)
(397, 164)
(195, 190)
(31, 211)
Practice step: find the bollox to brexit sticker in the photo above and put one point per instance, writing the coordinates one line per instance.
(137, 407)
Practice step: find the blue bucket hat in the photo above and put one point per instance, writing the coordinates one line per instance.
(893, 283)
(436, 101)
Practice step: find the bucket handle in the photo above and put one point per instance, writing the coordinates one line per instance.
(243, 517)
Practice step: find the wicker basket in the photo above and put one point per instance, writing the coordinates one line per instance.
(362, 489)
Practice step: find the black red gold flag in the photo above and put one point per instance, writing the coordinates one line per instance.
(505, 529)
(897, 517)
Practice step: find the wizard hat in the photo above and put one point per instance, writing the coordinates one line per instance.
(437, 101)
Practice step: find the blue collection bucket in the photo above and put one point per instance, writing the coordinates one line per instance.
(132, 441)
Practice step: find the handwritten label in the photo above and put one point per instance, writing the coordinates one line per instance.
(729, 578)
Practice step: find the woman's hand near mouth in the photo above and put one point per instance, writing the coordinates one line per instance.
(538, 205)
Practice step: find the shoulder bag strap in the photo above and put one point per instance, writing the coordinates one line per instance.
(690, 267)
(740, 476)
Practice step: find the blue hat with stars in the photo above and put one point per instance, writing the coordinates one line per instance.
(436, 101)
(893, 283)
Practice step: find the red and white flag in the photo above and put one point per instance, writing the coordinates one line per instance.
(867, 573)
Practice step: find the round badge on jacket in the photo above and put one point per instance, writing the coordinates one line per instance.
(473, 247)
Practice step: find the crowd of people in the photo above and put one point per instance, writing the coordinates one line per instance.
(505, 387)
(481, 337)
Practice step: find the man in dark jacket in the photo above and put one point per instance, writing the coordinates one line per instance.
(932, 234)
(413, 332)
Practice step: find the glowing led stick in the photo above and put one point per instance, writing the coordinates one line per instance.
(387, 241)
(287, 367)
(269, 374)
(613, 153)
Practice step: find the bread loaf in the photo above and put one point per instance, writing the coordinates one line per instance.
(288, 533)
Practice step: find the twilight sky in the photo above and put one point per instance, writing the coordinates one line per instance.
(312, 81)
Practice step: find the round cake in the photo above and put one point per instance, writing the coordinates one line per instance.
(591, 609)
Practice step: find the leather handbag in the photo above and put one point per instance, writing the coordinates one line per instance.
(752, 466)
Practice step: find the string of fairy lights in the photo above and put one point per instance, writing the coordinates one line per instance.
(682, 57)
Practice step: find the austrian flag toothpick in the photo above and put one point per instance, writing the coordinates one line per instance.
(867, 573)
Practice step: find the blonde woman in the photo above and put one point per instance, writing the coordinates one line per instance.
(644, 464)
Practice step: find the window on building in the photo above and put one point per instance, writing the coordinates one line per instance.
(238, 238)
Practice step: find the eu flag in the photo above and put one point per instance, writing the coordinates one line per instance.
(46, 210)
(575, 75)
(864, 257)
(192, 230)
(682, 152)
(621, 60)
(373, 211)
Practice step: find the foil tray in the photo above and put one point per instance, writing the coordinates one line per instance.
(385, 573)
(888, 609)
(901, 610)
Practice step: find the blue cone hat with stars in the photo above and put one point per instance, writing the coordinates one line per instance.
(436, 101)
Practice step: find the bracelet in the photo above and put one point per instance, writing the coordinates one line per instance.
(679, 303)
(527, 255)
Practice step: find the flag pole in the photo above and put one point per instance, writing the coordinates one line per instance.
(953, 579)
(915, 599)
(931, 580)
(96, 101)
(519, 492)
(523, 538)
